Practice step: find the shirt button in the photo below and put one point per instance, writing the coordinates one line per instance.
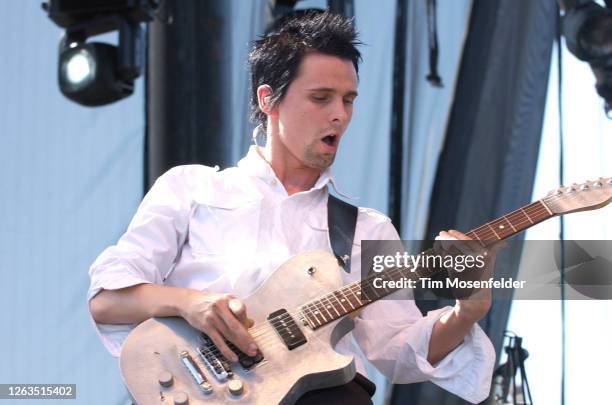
(273, 182)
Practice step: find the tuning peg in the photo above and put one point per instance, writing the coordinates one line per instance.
(584, 187)
(598, 183)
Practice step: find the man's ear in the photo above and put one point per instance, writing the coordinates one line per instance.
(264, 95)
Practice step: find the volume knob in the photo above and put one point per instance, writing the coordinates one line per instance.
(180, 398)
(235, 387)
(165, 378)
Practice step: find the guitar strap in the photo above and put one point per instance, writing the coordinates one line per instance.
(341, 221)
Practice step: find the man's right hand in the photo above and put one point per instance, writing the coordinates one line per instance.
(220, 316)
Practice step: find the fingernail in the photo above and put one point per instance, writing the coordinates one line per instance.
(233, 358)
(253, 349)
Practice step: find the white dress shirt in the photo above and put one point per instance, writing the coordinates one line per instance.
(226, 231)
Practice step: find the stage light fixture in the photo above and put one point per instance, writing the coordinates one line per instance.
(88, 74)
(96, 73)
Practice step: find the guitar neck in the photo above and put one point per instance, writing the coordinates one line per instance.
(358, 294)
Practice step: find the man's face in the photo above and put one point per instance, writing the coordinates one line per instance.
(316, 110)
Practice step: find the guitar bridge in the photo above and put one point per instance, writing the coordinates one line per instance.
(216, 363)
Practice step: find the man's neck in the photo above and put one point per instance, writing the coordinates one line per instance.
(293, 175)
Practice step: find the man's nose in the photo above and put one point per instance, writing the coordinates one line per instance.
(341, 112)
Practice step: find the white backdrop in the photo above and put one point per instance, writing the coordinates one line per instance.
(71, 178)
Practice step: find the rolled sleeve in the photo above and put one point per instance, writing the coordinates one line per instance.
(394, 336)
(146, 252)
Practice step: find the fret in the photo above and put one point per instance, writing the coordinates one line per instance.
(396, 273)
(501, 229)
(523, 211)
(342, 299)
(547, 209)
(517, 219)
(356, 297)
(491, 228)
(367, 283)
(357, 302)
(315, 317)
(341, 291)
(305, 317)
(478, 234)
(407, 272)
(318, 311)
(540, 211)
(382, 276)
(364, 299)
(341, 304)
(334, 306)
(326, 306)
(347, 300)
(510, 223)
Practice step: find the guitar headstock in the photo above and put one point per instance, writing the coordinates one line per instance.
(585, 196)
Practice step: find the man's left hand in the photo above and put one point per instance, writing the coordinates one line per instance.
(475, 305)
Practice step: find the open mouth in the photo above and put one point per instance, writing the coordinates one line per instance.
(330, 140)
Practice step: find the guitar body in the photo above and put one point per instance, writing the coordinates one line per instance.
(282, 377)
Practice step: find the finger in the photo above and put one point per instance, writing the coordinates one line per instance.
(467, 245)
(238, 309)
(218, 340)
(235, 331)
(449, 242)
(458, 235)
(441, 244)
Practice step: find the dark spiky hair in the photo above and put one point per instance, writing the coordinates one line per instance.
(275, 58)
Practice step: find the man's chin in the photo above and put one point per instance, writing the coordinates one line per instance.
(319, 160)
(324, 161)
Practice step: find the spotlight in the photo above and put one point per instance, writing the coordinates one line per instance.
(95, 73)
(88, 74)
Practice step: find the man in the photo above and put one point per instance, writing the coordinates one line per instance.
(201, 235)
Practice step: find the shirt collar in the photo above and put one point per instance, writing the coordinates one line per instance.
(254, 164)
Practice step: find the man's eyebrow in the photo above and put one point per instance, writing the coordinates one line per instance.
(332, 90)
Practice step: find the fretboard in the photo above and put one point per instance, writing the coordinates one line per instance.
(358, 294)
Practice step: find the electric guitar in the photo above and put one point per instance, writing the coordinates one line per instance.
(300, 313)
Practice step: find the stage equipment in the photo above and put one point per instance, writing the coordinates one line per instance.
(95, 73)
(587, 28)
(506, 388)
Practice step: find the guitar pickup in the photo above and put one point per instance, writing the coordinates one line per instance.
(287, 329)
(219, 364)
(247, 362)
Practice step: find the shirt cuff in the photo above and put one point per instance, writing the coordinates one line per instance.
(466, 371)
